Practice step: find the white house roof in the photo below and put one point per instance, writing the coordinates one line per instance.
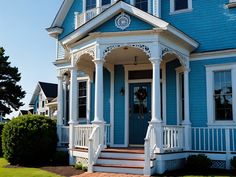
(115, 9)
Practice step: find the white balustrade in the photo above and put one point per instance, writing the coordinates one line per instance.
(82, 18)
(214, 139)
(81, 135)
(64, 139)
(107, 134)
(173, 138)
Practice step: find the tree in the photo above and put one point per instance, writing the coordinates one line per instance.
(10, 92)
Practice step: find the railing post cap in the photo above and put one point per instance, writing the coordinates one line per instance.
(73, 122)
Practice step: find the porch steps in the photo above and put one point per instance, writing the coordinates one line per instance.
(129, 161)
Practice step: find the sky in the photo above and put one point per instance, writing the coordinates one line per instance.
(26, 42)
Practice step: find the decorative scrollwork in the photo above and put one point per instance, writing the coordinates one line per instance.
(90, 51)
(139, 46)
(122, 21)
(167, 50)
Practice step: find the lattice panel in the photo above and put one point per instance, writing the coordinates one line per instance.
(174, 164)
(218, 164)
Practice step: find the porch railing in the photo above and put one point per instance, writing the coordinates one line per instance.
(82, 18)
(214, 139)
(173, 138)
(83, 132)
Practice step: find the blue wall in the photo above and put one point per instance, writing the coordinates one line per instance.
(136, 24)
(119, 122)
(197, 89)
(171, 111)
(209, 23)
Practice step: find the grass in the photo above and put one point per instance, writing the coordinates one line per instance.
(22, 172)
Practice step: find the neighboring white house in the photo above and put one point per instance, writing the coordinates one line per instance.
(44, 94)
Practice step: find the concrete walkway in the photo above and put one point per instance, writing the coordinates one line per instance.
(106, 175)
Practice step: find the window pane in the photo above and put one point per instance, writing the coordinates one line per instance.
(142, 4)
(82, 99)
(82, 111)
(223, 95)
(104, 2)
(181, 4)
(90, 4)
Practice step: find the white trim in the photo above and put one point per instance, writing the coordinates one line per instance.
(112, 104)
(179, 70)
(173, 11)
(114, 10)
(88, 97)
(127, 82)
(213, 55)
(210, 89)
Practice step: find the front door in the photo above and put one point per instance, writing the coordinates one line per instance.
(139, 112)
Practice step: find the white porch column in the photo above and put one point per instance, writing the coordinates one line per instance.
(98, 6)
(65, 99)
(156, 8)
(156, 104)
(73, 110)
(59, 108)
(186, 123)
(98, 107)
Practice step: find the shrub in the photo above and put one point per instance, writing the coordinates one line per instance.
(61, 158)
(233, 162)
(198, 162)
(84, 168)
(78, 166)
(29, 140)
(1, 127)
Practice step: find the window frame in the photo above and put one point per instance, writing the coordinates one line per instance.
(210, 69)
(173, 11)
(87, 80)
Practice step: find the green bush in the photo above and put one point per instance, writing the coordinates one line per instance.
(198, 162)
(78, 166)
(61, 158)
(1, 127)
(233, 162)
(29, 140)
(84, 168)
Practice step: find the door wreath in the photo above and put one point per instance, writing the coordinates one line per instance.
(141, 95)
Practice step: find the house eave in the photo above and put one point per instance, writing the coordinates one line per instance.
(54, 31)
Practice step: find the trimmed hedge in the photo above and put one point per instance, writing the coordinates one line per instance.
(29, 140)
(1, 127)
(198, 162)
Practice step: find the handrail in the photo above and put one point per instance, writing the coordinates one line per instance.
(150, 146)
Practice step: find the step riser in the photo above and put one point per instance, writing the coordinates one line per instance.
(121, 155)
(118, 170)
(121, 162)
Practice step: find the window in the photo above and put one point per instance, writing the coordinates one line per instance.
(82, 99)
(223, 95)
(180, 5)
(43, 104)
(90, 4)
(105, 2)
(180, 94)
(142, 4)
(221, 92)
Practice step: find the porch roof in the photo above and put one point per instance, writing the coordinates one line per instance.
(121, 6)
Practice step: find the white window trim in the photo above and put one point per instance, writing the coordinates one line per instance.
(210, 90)
(85, 79)
(173, 11)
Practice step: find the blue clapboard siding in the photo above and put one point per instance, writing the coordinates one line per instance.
(136, 24)
(171, 111)
(69, 22)
(119, 116)
(197, 89)
(209, 23)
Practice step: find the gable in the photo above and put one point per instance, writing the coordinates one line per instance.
(135, 25)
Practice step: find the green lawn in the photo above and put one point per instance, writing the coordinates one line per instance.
(22, 172)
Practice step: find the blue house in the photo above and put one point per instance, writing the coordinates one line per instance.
(146, 83)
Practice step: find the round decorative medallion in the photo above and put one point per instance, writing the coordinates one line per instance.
(122, 21)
